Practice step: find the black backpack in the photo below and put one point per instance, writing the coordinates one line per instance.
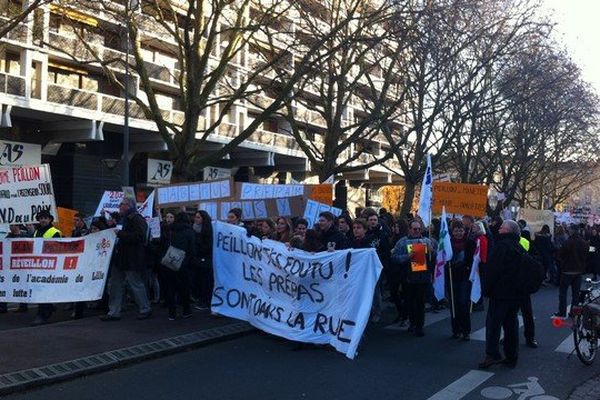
(530, 274)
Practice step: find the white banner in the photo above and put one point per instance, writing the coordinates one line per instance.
(109, 203)
(315, 298)
(25, 191)
(17, 154)
(159, 172)
(55, 270)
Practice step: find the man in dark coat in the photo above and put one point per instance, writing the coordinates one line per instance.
(498, 284)
(129, 263)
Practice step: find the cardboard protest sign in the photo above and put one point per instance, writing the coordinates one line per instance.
(315, 298)
(25, 191)
(314, 208)
(55, 270)
(255, 209)
(159, 172)
(460, 198)
(537, 218)
(322, 193)
(66, 222)
(194, 193)
(17, 154)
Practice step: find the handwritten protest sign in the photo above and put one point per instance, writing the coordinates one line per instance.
(315, 298)
(460, 198)
(66, 218)
(109, 202)
(193, 193)
(537, 218)
(25, 191)
(55, 270)
(255, 209)
(322, 193)
(314, 208)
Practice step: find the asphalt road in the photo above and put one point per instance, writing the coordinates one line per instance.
(391, 365)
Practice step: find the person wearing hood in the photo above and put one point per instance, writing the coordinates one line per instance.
(181, 236)
(46, 230)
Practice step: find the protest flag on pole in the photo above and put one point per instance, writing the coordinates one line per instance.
(426, 194)
(479, 257)
(444, 254)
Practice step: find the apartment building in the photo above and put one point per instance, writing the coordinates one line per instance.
(77, 114)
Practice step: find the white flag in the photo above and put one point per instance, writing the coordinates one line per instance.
(426, 194)
(474, 277)
(147, 208)
(444, 254)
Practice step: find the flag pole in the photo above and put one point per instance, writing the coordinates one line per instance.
(451, 292)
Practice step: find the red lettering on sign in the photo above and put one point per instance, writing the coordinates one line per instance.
(56, 247)
(70, 263)
(21, 246)
(35, 262)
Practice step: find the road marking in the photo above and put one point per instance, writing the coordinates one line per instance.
(430, 319)
(480, 334)
(567, 345)
(462, 386)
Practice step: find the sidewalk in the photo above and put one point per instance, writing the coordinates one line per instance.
(589, 390)
(32, 356)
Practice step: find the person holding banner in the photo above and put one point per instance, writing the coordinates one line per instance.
(414, 254)
(331, 238)
(283, 230)
(47, 231)
(129, 255)
(300, 227)
(15, 232)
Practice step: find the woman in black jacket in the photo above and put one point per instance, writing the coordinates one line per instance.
(181, 236)
(203, 267)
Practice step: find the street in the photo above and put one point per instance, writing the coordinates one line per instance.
(391, 365)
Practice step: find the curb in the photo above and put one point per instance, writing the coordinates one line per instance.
(30, 378)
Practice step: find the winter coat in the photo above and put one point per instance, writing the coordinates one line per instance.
(501, 272)
(333, 235)
(573, 255)
(402, 259)
(381, 242)
(182, 237)
(130, 251)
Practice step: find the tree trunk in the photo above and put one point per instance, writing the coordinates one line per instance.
(409, 195)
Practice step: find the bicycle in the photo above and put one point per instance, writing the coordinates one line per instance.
(585, 322)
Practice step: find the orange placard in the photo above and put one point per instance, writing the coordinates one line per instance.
(460, 198)
(322, 193)
(418, 257)
(65, 220)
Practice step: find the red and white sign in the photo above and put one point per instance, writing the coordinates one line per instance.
(55, 270)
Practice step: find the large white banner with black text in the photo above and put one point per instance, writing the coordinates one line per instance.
(55, 270)
(320, 298)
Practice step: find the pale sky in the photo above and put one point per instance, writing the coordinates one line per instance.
(578, 28)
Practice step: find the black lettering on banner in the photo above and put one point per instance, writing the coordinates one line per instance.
(217, 295)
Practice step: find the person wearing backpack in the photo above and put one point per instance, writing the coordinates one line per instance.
(499, 285)
(572, 256)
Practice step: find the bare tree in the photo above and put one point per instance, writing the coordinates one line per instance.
(227, 55)
(14, 14)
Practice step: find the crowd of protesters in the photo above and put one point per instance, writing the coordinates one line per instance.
(138, 264)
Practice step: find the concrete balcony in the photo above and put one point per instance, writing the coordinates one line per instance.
(17, 34)
(12, 84)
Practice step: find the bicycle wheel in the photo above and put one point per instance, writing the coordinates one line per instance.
(586, 341)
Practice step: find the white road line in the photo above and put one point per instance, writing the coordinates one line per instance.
(566, 345)
(462, 386)
(480, 334)
(430, 318)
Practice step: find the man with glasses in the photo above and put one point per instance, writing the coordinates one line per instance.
(414, 255)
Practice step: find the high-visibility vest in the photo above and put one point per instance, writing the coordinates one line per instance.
(49, 233)
(524, 243)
